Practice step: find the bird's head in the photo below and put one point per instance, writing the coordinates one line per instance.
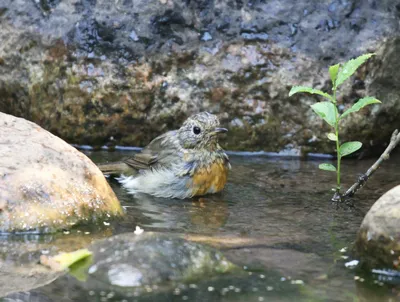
(200, 131)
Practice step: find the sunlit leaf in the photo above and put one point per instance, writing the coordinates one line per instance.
(349, 147)
(327, 167)
(350, 67)
(332, 136)
(297, 89)
(80, 269)
(333, 71)
(64, 260)
(361, 103)
(326, 110)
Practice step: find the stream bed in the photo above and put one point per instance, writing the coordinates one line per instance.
(274, 220)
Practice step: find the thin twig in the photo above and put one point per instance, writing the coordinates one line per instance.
(394, 141)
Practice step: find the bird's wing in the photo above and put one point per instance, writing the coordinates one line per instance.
(161, 152)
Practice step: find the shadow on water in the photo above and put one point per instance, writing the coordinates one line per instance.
(274, 219)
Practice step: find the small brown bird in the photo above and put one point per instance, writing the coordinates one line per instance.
(178, 164)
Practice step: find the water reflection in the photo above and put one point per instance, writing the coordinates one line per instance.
(200, 215)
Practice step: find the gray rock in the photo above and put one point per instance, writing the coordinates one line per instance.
(130, 260)
(378, 241)
(259, 49)
(16, 279)
(45, 184)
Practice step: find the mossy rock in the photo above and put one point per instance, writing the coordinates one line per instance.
(112, 89)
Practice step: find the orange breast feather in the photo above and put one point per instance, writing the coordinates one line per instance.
(211, 179)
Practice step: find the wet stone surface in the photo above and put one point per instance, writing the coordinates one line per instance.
(130, 260)
(274, 221)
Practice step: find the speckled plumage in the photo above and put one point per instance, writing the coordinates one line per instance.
(181, 163)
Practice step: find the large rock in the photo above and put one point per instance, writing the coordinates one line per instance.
(122, 72)
(45, 184)
(378, 241)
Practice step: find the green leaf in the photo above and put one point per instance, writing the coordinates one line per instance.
(80, 269)
(297, 89)
(64, 260)
(332, 136)
(327, 167)
(349, 147)
(327, 111)
(361, 103)
(333, 71)
(350, 67)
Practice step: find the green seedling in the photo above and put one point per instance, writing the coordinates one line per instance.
(328, 110)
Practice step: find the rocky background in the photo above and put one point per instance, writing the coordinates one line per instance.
(123, 71)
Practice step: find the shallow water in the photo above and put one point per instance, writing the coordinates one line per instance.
(274, 219)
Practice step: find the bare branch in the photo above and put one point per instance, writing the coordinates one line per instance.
(394, 141)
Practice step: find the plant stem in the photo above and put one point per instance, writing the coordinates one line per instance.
(337, 144)
(338, 157)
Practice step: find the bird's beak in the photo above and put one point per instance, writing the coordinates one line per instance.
(219, 130)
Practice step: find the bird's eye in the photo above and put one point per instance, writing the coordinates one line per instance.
(196, 130)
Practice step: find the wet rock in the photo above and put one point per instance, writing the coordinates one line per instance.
(20, 258)
(378, 241)
(89, 71)
(45, 184)
(230, 287)
(130, 260)
(266, 253)
(15, 279)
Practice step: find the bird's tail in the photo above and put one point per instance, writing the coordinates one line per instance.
(116, 168)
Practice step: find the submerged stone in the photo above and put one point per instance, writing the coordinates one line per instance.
(45, 184)
(378, 242)
(130, 260)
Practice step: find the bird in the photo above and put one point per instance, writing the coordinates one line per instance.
(181, 163)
